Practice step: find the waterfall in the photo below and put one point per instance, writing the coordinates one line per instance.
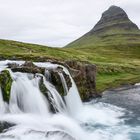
(55, 97)
(26, 97)
(73, 100)
(3, 105)
(32, 113)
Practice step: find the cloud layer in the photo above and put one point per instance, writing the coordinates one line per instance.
(56, 22)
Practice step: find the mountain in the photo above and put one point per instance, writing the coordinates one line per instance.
(114, 28)
(114, 18)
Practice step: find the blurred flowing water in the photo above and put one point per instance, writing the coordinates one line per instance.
(28, 115)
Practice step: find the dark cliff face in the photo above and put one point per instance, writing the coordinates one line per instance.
(114, 17)
(84, 75)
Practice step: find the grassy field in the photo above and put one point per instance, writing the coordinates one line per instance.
(117, 65)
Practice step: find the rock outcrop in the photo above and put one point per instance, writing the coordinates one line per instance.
(29, 67)
(114, 17)
(5, 84)
(84, 75)
(4, 126)
(56, 80)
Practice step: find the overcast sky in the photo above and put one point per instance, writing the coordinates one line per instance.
(56, 22)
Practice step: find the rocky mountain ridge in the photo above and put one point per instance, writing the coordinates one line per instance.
(113, 25)
(114, 17)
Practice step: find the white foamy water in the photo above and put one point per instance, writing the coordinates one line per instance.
(137, 84)
(31, 117)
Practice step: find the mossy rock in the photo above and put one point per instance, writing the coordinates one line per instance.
(45, 92)
(5, 84)
(5, 125)
(27, 67)
(56, 81)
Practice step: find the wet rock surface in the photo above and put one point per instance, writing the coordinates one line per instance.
(47, 94)
(4, 126)
(56, 79)
(5, 84)
(27, 67)
(84, 75)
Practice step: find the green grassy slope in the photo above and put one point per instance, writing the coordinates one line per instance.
(112, 37)
(117, 57)
(116, 65)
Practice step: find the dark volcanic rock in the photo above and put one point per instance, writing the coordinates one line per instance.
(27, 67)
(84, 75)
(114, 17)
(56, 81)
(12, 65)
(4, 126)
(85, 78)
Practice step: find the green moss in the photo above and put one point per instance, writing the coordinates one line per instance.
(82, 91)
(45, 92)
(42, 87)
(5, 84)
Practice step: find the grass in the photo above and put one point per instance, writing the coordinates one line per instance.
(108, 81)
(111, 37)
(117, 65)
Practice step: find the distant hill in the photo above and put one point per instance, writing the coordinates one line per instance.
(10, 49)
(113, 29)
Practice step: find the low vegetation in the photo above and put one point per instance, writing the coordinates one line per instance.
(117, 65)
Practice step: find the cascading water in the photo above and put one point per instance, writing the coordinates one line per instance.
(26, 97)
(2, 104)
(29, 115)
(73, 100)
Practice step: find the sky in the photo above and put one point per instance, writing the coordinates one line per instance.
(56, 23)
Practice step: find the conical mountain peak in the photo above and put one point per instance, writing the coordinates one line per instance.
(113, 29)
(114, 18)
